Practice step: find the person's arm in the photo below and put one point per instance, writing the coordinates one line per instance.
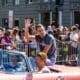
(49, 44)
(26, 29)
(13, 45)
(46, 48)
(27, 34)
(3, 42)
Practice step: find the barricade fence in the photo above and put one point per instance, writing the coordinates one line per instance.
(30, 49)
(67, 52)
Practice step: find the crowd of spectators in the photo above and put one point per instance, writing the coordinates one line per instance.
(41, 39)
(69, 41)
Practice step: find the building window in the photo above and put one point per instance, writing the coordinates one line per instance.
(16, 22)
(4, 2)
(5, 23)
(45, 18)
(76, 17)
(29, 1)
(16, 2)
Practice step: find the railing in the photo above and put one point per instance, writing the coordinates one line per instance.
(29, 48)
(67, 53)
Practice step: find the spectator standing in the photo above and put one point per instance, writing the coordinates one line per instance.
(7, 42)
(29, 29)
(16, 36)
(46, 43)
(74, 38)
(30, 35)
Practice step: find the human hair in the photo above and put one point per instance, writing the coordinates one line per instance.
(74, 28)
(15, 31)
(38, 26)
(1, 29)
(77, 25)
(42, 55)
(31, 20)
(53, 23)
(7, 33)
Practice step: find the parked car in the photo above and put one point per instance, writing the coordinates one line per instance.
(17, 66)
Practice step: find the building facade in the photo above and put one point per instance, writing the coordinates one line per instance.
(13, 12)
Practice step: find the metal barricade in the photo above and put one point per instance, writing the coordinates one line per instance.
(67, 53)
(4, 57)
(30, 48)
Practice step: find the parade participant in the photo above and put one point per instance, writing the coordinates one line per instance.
(41, 62)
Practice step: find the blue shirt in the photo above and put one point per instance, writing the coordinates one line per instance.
(47, 40)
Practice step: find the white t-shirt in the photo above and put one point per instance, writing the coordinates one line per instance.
(74, 38)
(45, 69)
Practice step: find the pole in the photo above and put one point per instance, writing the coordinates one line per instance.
(50, 17)
(60, 18)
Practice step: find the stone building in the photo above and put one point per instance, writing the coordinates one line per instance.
(64, 12)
